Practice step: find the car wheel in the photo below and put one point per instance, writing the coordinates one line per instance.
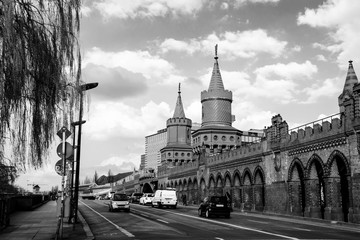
(207, 214)
(200, 213)
(227, 215)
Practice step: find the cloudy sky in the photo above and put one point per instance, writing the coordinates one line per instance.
(276, 56)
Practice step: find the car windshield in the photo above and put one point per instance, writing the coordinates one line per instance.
(120, 197)
(217, 200)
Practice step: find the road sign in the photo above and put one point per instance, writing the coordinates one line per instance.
(59, 167)
(63, 130)
(69, 150)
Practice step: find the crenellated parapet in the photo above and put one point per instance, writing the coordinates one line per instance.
(242, 155)
(178, 121)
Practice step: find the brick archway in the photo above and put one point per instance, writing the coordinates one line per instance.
(296, 188)
(315, 188)
(248, 191)
(338, 181)
(259, 189)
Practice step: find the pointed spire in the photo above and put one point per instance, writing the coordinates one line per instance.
(216, 82)
(179, 110)
(351, 78)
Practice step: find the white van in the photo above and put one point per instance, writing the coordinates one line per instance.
(165, 197)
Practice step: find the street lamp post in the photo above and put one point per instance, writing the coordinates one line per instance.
(82, 88)
(72, 192)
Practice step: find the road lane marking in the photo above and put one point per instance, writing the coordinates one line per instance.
(257, 221)
(302, 229)
(118, 227)
(234, 226)
(219, 238)
(160, 220)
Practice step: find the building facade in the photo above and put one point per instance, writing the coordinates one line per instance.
(311, 171)
(153, 144)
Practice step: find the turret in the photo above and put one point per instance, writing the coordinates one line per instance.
(178, 148)
(346, 97)
(216, 101)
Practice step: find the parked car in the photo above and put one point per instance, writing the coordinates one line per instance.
(119, 201)
(146, 198)
(215, 206)
(165, 197)
(135, 197)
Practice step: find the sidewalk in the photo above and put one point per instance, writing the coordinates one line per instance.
(41, 223)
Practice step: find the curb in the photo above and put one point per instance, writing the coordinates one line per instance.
(89, 234)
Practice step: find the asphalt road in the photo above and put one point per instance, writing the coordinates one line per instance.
(145, 222)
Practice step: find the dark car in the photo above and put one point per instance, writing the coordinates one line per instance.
(215, 206)
(135, 197)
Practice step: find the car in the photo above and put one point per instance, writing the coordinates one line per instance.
(146, 198)
(166, 197)
(135, 197)
(119, 201)
(215, 206)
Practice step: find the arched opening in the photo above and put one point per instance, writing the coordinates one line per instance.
(211, 186)
(339, 184)
(196, 195)
(248, 199)
(237, 196)
(316, 188)
(297, 197)
(147, 188)
(259, 190)
(219, 186)
(202, 189)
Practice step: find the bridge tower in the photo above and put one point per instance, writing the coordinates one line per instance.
(216, 133)
(178, 148)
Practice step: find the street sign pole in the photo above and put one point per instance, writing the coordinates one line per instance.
(62, 183)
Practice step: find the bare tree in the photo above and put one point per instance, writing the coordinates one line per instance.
(39, 60)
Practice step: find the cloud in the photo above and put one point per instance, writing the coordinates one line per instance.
(321, 58)
(246, 44)
(288, 71)
(248, 116)
(150, 66)
(115, 83)
(240, 3)
(132, 9)
(116, 119)
(125, 164)
(278, 82)
(329, 87)
(341, 17)
(85, 11)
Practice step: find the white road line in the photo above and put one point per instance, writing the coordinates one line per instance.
(219, 238)
(235, 226)
(302, 229)
(118, 227)
(257, 221)
(144, 215)
(160, 220)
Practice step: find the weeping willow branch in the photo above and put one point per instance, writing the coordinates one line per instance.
(39, 58)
